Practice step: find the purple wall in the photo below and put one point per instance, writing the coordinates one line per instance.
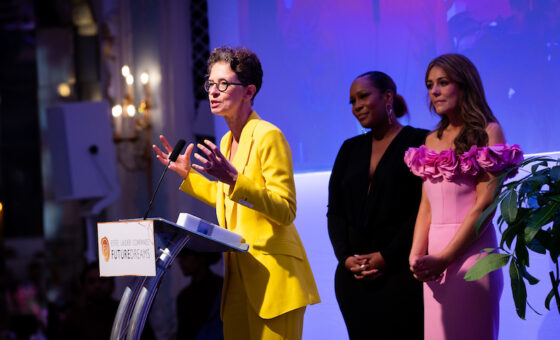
(312, 50)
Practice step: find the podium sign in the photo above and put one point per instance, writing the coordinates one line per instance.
(126, 248)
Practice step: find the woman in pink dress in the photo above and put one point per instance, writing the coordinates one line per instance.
(457, 164)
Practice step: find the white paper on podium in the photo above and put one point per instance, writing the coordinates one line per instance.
(193, 223)
(126, 248)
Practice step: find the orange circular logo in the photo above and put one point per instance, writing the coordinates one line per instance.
(105, 249)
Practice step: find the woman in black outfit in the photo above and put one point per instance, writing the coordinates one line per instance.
(373, 201)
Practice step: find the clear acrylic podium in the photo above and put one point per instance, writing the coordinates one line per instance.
(169, 239)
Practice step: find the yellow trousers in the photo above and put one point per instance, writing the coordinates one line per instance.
(241, 322)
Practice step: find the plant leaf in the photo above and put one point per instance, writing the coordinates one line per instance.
(512, 230)
(534, 159)
(530, 278)
(500, 183)
(544, 237)
(535, 245)
(525, 188)
(518, 290)
(555, 198)
(487, 264)
(533, 309)
(485, 214)
(541, 217)
(521, 253)
(508, 207)
(509, 234)
(548, 299)
(534, 167)
(554, 245)
(555, 173)
(537, 181)
(542, 172)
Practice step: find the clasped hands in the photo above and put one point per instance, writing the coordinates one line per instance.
(428, 267)
(214, 164)
(366, 266)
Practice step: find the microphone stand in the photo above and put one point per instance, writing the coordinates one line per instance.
(155, 192)
(172, 158)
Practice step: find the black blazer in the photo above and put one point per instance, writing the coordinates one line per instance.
(382, 220)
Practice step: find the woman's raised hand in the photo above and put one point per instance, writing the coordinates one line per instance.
(182, 165)
(215, 164)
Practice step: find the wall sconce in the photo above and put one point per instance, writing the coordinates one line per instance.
(129, 121)
(132, 126)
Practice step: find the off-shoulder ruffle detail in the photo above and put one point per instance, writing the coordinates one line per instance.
(428, 164)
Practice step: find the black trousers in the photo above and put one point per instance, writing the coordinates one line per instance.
(389, 307)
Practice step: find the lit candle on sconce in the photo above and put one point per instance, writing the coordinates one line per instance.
(125, 71)
(145, 78)
(145, 106)
(129, 92)
(130, 110)
(117, 111)
(129, 80)
(131, 126)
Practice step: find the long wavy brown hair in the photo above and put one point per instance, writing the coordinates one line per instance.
(473, 108)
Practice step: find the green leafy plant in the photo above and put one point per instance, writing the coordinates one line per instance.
(530, 211)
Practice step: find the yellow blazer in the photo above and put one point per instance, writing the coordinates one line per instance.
(262, 207)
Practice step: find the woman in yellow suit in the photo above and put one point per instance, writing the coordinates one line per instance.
(267, 289)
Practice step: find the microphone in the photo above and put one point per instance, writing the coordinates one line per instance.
(176, 151)
(172, 158)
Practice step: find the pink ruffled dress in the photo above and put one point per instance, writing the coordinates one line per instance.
(454, 308)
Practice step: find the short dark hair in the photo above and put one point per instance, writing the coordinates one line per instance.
(242, 61)
(384, 83)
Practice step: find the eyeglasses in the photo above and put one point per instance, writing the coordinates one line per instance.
(222, 85)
